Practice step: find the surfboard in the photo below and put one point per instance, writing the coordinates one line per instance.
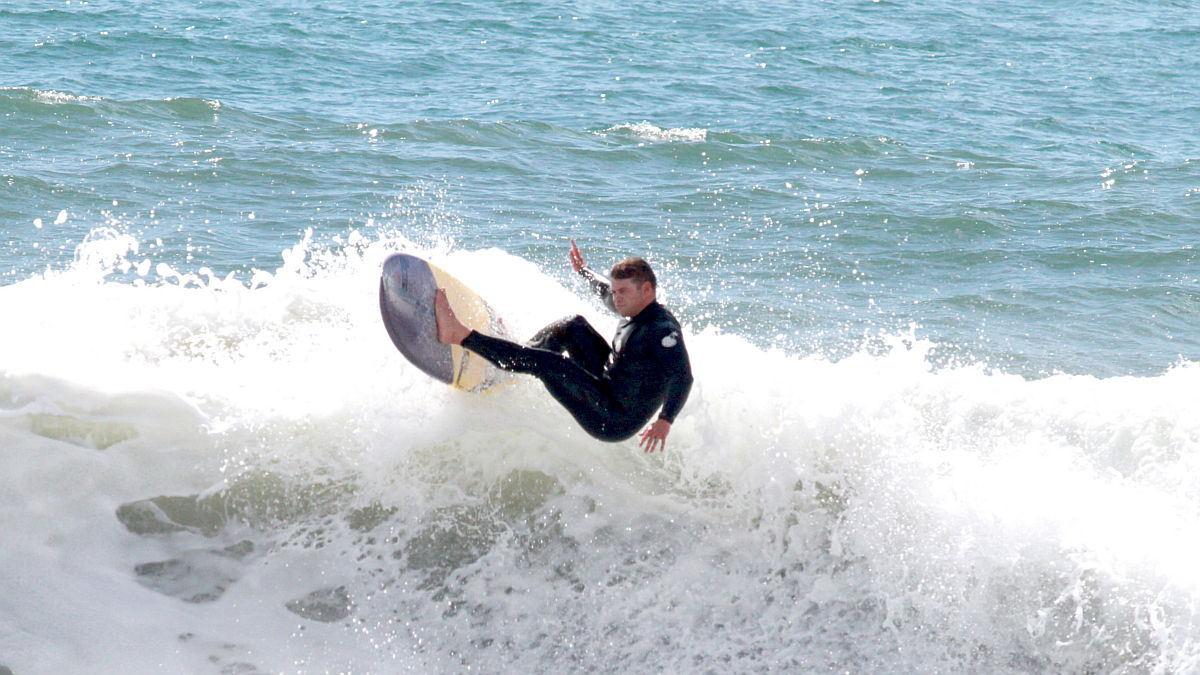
(406, 290)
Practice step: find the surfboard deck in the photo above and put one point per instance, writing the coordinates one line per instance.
(406, 291)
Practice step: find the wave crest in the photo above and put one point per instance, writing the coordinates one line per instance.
(657, 134)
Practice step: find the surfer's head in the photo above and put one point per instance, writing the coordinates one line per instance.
(636, 270)
(633, 286)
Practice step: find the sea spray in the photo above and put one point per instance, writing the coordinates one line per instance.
(244, 461)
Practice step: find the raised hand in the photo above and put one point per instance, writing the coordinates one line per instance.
(576, 258)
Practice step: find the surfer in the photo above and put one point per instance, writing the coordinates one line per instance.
(612, 391)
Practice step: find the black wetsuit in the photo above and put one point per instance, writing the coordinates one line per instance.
(611, 391)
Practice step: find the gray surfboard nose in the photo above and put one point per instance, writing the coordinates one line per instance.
(406, 290)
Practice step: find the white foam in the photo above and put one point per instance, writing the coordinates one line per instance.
(50, 96)
(659, 134)
(875, 510)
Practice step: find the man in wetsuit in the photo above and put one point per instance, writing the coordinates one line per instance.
(611, 391)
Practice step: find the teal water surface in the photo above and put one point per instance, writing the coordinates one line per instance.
(937, 263)
(1017, 182)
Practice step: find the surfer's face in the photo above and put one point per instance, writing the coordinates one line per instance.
(630, 298)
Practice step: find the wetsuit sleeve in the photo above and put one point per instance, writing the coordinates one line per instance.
(678, 367)
(600, 285)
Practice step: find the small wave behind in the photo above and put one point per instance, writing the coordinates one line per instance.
(32, 102)
(245, 468)
(45, 96)
(657, 134)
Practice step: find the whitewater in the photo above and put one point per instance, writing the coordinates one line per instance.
(935, 262)
(241, 474)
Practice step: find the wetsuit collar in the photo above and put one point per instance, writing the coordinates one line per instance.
(627, 324)
(647, 311)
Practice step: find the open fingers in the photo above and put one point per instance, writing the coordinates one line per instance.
(652, 441)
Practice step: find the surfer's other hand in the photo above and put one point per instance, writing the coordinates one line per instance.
(655, 435)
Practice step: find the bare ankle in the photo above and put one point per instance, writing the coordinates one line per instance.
(449, 329)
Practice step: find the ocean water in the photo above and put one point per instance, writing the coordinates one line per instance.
(936, 264)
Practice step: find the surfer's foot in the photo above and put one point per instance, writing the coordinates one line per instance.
(450, 330)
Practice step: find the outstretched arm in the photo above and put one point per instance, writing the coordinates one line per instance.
(596, 281)
(673, 356)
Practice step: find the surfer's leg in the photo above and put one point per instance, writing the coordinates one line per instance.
(449, 329)
(578, 339)
(584, 395)
(521, 359)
